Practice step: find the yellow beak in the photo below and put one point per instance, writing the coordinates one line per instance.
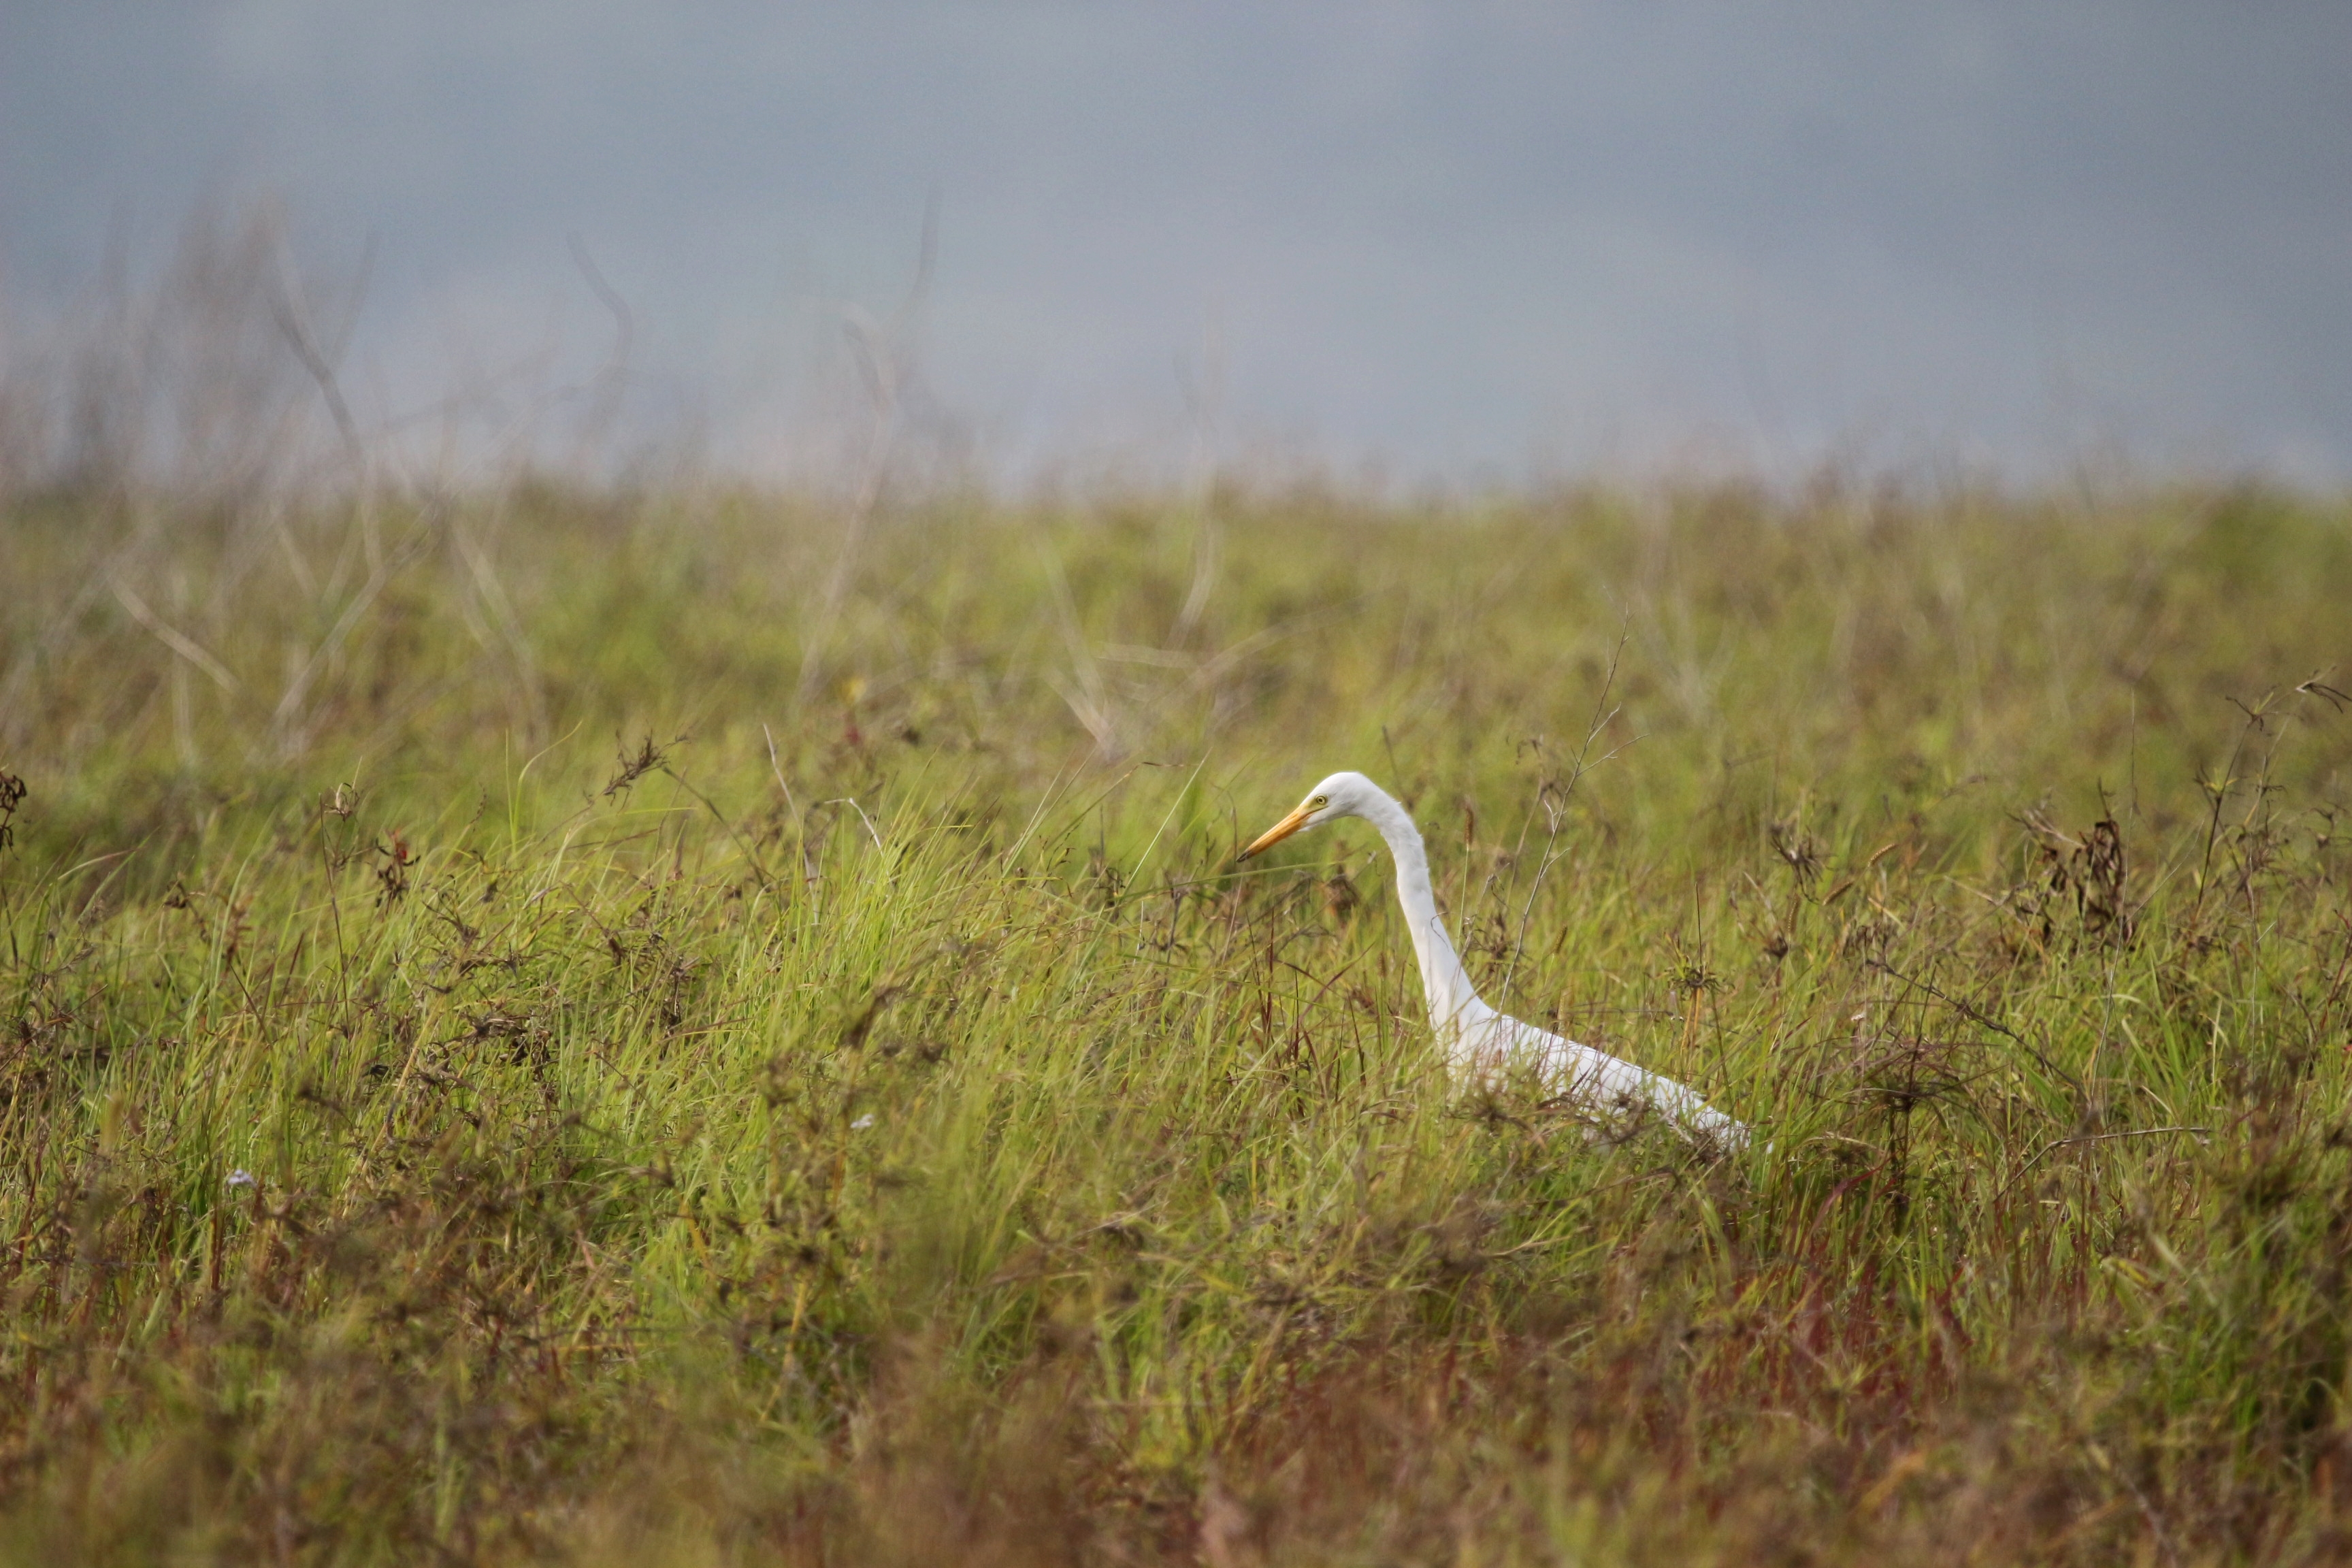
(1278, 833)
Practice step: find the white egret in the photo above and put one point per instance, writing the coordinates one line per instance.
(1479, 1042)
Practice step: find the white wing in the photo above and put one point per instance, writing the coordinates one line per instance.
(1591, 1076)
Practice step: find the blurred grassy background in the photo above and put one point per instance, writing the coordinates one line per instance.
(685, 1026)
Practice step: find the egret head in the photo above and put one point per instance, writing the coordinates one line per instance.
(1341, 795)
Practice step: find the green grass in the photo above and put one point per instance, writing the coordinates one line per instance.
(531, 1033)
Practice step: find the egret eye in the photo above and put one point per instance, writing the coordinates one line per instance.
(1318, 803)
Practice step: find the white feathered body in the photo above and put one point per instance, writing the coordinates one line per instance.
(1480, 1043)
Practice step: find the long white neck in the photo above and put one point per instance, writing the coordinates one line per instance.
(1452, 1002)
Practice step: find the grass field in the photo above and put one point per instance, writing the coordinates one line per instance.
(659, 1029)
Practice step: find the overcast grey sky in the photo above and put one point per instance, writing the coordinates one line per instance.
(1464, 239)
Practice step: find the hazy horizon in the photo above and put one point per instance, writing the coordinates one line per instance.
(1455, 245)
